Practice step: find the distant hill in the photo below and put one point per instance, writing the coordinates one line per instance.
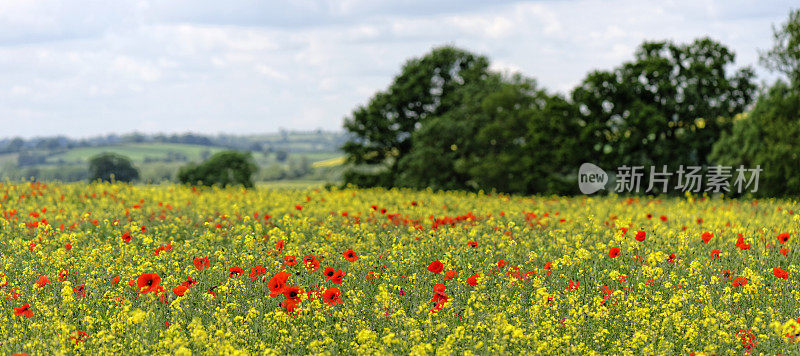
(281, 156)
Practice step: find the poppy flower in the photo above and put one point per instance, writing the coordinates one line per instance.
(436, 267)
(331, 296)
(180, 290)
(780, 273)
(472, 244)
(68, 247)
(79, 336)
(337, 277)
(41, 282)
(126, 237)
(277, 283)
(202, 264)
(739, 281)
(329, 272)
(783, 238)
(80, 290)
(715, 254)
(573, 285)
(473, 281)
(640, 236)
(288, 306)
(613, 252)
(148, 282)
(292, 293)
(785, 251)
(234, 272)
(706, 236)
(350, 255)
(501, 264)
(257, 271)
(115, 280)
(24, 310)
(450, 274)
(62, 276)
(311, 263)
(290, 260)
(725, 275)
(279, 247)
(190, 282)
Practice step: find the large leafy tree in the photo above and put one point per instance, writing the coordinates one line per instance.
(381, 132)
(222, 169)
(768, 135)
(667, 106)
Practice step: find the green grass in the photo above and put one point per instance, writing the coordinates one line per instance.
(136, 152)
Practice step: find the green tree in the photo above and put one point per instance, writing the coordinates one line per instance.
(381, 132)
(784, 56)
(223, 169)
(767, 135)
(668, 106)
(110, 166)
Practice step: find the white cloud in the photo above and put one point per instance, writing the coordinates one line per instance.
(86, 67)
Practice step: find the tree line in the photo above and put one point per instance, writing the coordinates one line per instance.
(449, 122)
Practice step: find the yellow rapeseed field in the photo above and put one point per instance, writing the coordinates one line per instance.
(115, 268)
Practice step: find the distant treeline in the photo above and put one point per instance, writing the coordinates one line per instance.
(449, 122)
(318, 140)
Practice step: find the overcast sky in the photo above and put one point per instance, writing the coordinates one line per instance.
(83, 68)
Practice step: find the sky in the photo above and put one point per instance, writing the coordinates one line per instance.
(83, 68)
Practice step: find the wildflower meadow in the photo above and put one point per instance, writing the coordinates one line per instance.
(168, 269)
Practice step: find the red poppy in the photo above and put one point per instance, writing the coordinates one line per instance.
(311, 263)
(289, 305)
(785, 251)
(725, 275)
(438, 288)
(290, 260)
(62, 276)
(329, 272)
(573, 285)
(79, 336)
(292, 293)
(450, 274)
(663, 218)
(739, 281)
(472, 244)
(202, 264)
(80, 290)
(501, 264)
(42, 281)
(715, 254)
(706, 237)
(234, 272)
(115, 280)
(350, 255)
(298, 207)
(780, 273)
(439, 297)
(331, 296)
(24, 310)
(277, 283)
(279, 247)
(148, 282)
(257, 271)
(180, 290)
(473, 281)
(640, 236)
(783, 238)
(436, 267)
(126, 237)
(190, 282)
(613, 252)
(337, 277)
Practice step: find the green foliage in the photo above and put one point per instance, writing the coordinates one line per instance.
(222, 169)
(668, 106)
(784, 56)
(382, 131)
(111, 166)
